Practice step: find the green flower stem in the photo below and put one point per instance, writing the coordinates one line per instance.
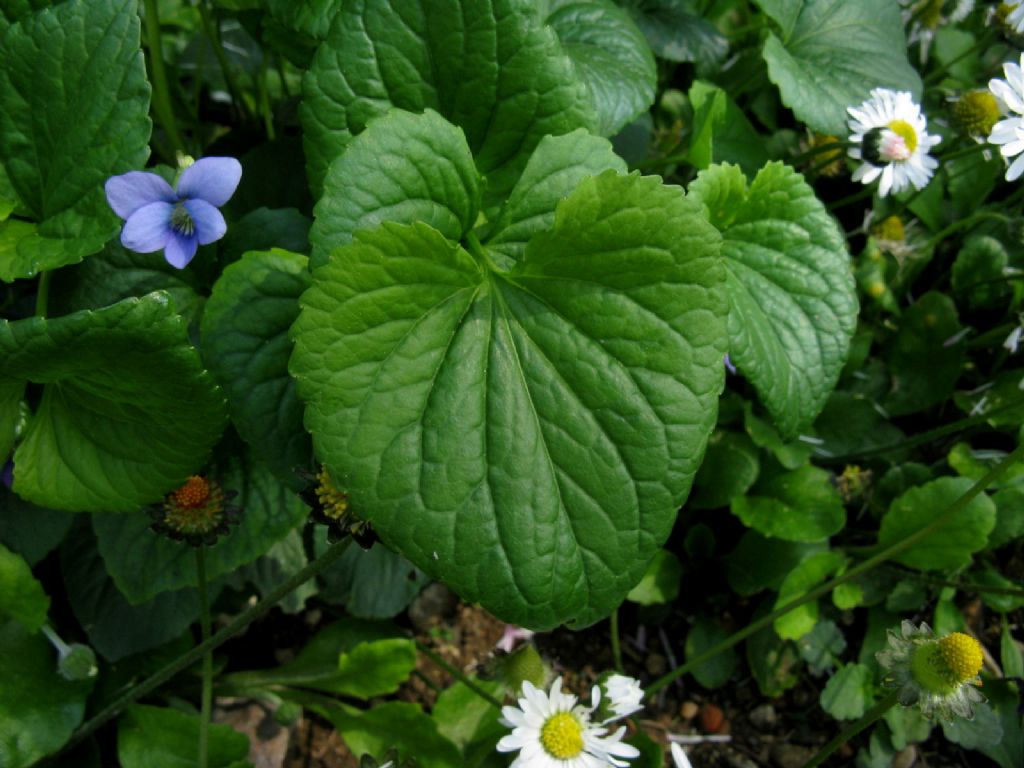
(967, 223)
(885, 555)
(212, 32)
(927, 437)
(186, 660)
(616, 645)
(204, 622)
(842, 202)
(457, 674)
(161, 92)
(43, 294)
(853, 729)
(981, 44)
(817, 150)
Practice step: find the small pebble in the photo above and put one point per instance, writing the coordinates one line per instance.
(689, 710)
(905, 758)
(763, 717)
(711, 718)
(791, 755)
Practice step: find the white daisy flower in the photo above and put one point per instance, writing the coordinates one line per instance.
(893, 144)
(938, 675)
(679, 757)
(550, 730)
(1008, 134)
(926, 16)
(624, 695)
(1015, 16)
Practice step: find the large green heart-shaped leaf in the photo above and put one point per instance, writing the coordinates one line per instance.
(524, 435)
(611, 56)
(127, 412)
(402, 168)
(829, 54)
(491, 67)
(21, 596)
(676, 32)
(245, 341)
(75, 111)
(792, 303)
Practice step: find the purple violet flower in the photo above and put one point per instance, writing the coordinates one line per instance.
(176, 220)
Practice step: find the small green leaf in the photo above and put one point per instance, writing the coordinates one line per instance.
(792, 304)
(464, 717)
(274, 567)
(127, 414)
(977, 274)
(245, 343)
(762, 563)
(611, 56)
(1009, 516)
(822, 646)
(21, 597)
(660, 584)
(801, 505)
(376, 668)
(1010, 652)
(373, 584)
(553, 171)
(774, 662)
(144, 563)
(115, 627)
(923, 362)
(38, 708)
(808, 574)
(722, 133)
(460, 405)
(152, 737)
(401, 168)
(849, 692)
(75, 112)
(31, 531)
(405, 727)
(951, 546)
(677, 33)
(791, 455)
(704, 635)
(730, 467)
(494, 69)
(829, 54)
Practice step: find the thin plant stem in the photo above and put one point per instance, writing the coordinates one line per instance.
(43, 293)
(616, 645)
(457, 674)
(981, 44)
(852, 198)
(161, 91)
(885, 555)
(853, 729)
(206, 704)
(233, 627)
(212, 31)
(927, 437)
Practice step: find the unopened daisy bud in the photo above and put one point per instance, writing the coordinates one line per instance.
(975, 113)
(890, 229)
(624, 695)
(936, 675)
(1009, 18)
(75, 662)
(196, 513)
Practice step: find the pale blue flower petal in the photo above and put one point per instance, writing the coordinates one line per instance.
(148, 228)
(131, 191)
(213, 179)
(208, 221)
(180, 249)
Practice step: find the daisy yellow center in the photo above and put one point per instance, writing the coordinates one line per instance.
(976, 112)
(193, 493)
(562, 736)
(891, 229)
(905, 131)
(333, 501)
(962, 655)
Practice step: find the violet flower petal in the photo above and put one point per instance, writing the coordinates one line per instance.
(148, 229)
(213, 179)
(180, 250)
(131, 191)
(208, 221)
